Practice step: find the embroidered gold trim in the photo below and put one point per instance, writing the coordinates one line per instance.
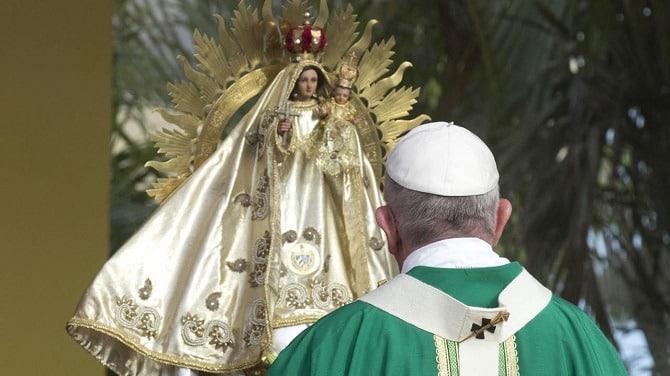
(307, 105)
(294, 296)
(129, 315)
(301, 319)
(261, 206)
(319, 295)
(275, 239)
(76, 323)
(196, 332)
(356, 232)
(261, 251)
(255, 328)
(331, 295)
(267, 121)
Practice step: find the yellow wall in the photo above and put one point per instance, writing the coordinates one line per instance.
(55, 74)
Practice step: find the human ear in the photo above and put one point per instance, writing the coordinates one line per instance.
(503, 215)
(385, 220)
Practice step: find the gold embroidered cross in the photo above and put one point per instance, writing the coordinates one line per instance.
(487, 324)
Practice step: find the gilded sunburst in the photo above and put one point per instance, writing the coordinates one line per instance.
(246, 56)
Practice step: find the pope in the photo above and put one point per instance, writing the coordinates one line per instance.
(457, 308)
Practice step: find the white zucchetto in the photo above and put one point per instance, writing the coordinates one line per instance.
(443, 159)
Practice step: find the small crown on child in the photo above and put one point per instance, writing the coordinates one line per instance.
(348, 74)
(305, 41)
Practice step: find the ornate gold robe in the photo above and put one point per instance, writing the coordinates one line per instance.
(257, 238)
(339, 149)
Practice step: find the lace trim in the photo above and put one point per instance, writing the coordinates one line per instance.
(447, 357)
(511, 356)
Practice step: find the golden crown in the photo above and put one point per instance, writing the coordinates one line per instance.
(347, 74)
(305, 41)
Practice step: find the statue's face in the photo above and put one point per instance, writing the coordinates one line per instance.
(307, 84)
(341, 95)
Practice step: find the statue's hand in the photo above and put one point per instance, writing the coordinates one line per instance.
(284, 126)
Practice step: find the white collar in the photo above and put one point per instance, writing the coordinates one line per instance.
(454, 253)
(426, 307)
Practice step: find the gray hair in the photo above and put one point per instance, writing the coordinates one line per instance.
(423, 218)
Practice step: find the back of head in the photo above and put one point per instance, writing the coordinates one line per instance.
(442, 182)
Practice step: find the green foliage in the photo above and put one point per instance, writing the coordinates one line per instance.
(148, 37)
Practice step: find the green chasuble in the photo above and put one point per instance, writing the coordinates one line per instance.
(361, 339)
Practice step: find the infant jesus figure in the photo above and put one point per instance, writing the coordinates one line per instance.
(338, 151)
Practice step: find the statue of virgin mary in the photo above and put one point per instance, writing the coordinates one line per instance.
(252, 242)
